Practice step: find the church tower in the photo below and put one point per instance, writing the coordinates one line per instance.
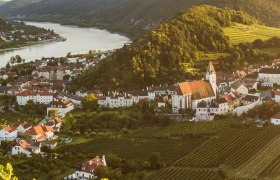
(211, 77)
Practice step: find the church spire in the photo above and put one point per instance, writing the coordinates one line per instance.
(211, 69)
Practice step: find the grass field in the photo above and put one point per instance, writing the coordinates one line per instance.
(243, 33)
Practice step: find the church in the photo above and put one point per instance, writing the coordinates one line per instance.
(189, 94)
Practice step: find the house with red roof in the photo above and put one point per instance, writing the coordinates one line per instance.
(8, 133)
(40, 96)
(26, 147)
(189, 94)
(40, 132)
(88, 169)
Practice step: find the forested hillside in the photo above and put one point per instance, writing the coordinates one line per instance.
(132, 17)
(166, 54)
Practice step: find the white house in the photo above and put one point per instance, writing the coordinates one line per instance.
(26, 147)
(189, 94)
(277, 96)
(36, 96)
(9, 133)
(115, 101)
(61, 106)
(88, 169)
(270, 75)
(206, 111)
(239, 86)
(276, 119)
(23, 127)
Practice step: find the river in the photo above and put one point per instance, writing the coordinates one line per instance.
(79, 40)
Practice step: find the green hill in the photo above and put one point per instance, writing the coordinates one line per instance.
(170, 52)
(132, 17)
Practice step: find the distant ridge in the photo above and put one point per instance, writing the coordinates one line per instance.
(132, 17)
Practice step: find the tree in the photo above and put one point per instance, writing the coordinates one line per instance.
(53, 113)
(155, 161)
(68, 122)
(90, 102)
(8, 66)
(6, 173)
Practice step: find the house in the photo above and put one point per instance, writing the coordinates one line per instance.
(270, 75)
(138, 96)
(49, 143)
(23, 127)
(61, 106)
(189, 94)
(206, 111)
(42, 96)
(275, 119)
(239, 86)
(277, 96)
(26, 147)
(55, 124)
(40, 133)
(88, 169)
(249, 99)
(115, 101)
(8, 133)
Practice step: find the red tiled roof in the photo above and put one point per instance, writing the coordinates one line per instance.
(10, 128)
(34, 93)
(92, 165)
(198, 89)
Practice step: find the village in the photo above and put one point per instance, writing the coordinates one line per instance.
(216, 94)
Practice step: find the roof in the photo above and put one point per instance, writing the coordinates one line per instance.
(250, 98)
(10, 128)
(198, 89)
(34, 93)
(36, 130)
(270, 70)
(92, 165)
(276, 116)
(229, 99)
(236, 85)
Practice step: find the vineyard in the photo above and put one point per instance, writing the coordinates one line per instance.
(187, 173)
(10, 117)
(184, 128)
(139, 149)
(237, 153)
(243, 33)
(232, 148)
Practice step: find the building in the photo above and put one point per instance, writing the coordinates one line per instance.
(61, 106)
(239, 86)
(277, 96)
(207, 111)
(275, 119)
(189, 94)
(40, 133)
(23, 127)
(115, 101)
(88, 169)
(26, 147)
(8, 133)
(269, 75)
(36, 96)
